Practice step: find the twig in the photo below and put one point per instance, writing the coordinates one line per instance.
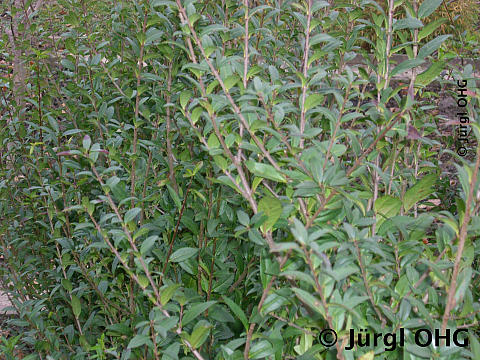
(365, 282)
(319, 290)
(260, 304)
(337, 125)
(176, 230)
(217, 76)
(305, 72)
(241, 277)
(245, 68)
(170, 157)
(461, 244)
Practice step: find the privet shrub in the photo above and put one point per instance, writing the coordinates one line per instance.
(213, 180)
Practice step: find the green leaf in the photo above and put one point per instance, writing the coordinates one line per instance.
(215, 28)
(167, 293)
(299, 275)
(152, 35)
(368, 356)
(422, 352)
(199, 335)
(67, 285)
(261, 350)
(86, 142)
(406, 65)
(312, 101)
(272, 207)
(243, 218)
(196, 114)
(431, 46)
(184, 97)
(119, 188)
(237, 310)
(387, 207)
(264, 170)
(221, 162)
(131, 214)
(299, 231)
(463, 283)
(88, 205)
(171, 352)
(148, 244)
(142, 231)
(430, 74)
(475, 345)
(428, 7)
(53, 124)
(407, 23)
(310, 300)
(213, 142)
(419, 191)
(138, 340)
(430, 28)
(175, 197)
(183, 254)
(272, 303)
(195, 310)
(76, 306)
(254, 236)
(142, 281)
(67, 64)
(72, 132)
(342, 272)
(190, 224)
(230, 81)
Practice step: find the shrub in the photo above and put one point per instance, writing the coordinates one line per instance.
(203, 180)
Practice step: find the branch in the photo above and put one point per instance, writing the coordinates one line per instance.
(305, 72)
(461, 244)
(320, 292)
(236, 109)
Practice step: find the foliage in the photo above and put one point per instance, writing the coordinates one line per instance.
(209, 180)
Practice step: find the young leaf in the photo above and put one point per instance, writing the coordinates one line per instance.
(76, 306)
(387, 207)
(368, 356)
(167, 293)
(213, 142)
(272, 207)
(312, 101)
(199, 335)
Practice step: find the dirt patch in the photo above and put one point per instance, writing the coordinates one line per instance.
(4, 302)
